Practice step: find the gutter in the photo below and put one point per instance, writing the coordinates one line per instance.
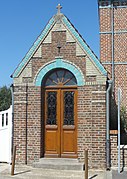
(112, 32)
(111, 84)
(12, 96)
(26, 147)
(107, 126)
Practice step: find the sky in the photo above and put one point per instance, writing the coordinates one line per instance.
(21, 22)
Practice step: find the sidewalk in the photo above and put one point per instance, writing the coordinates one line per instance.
(4, 167)
(28, 172)
(122, 175)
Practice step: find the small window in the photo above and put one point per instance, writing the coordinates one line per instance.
(2, 120)
(6, 119)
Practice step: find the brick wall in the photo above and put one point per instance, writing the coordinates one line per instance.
(27, 107)
(120, 47)
(114, 153)
(92, 124)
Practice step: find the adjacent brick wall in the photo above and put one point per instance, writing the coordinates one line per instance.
(120, 60)
(114, 152)
(120, 47)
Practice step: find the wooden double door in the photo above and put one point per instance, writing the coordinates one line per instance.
(61, 123)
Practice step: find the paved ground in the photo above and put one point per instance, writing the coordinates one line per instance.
(28, 172)
(122, 175)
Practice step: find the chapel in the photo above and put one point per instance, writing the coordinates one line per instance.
(61, 89)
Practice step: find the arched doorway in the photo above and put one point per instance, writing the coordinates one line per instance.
(60, 116)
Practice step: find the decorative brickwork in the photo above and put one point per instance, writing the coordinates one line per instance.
(59, 63)
(75, 56)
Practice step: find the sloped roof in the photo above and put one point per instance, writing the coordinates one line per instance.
(42, 36)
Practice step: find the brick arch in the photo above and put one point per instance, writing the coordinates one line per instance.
(60, 63)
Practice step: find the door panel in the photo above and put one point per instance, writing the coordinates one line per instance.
(67, 145)
(61, 123)
(68, 123)
(52, 130)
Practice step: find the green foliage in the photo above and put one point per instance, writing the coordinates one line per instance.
(5, 98)
(123, 118)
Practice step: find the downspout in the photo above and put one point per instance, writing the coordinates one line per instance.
(107, 126)
(12, 97)
(112, 30)
(111, 84)
(26, 123)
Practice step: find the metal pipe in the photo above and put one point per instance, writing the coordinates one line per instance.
(112, 30)
(119, 96)
(107, 127)
(12, 97)
(26, 123)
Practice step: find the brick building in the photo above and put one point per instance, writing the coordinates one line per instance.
(62, 101)
(113, 56)
(60, 98)
(113, 39)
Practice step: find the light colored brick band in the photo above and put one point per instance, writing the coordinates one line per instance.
(98, 101)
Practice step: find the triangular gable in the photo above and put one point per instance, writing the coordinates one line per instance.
(43, 35)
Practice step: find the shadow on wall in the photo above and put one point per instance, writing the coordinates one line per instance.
(114, 120)
(113, 113)
(123, 127)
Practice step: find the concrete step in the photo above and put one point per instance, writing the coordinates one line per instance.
(59, 164)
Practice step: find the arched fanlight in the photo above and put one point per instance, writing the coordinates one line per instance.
(60, 77)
